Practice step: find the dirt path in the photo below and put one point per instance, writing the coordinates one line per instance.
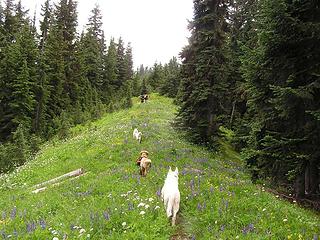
(180, 234)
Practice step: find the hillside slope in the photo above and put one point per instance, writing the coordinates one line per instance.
(111, 201)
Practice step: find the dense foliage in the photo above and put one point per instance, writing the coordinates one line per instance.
(253, 67)
(53, 78)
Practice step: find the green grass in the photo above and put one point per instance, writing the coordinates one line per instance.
(218, 201)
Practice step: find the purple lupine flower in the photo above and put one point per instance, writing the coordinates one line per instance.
(211, 189)
(222, 228)
(42, 224)
(199, 207)
(106, 216)
(315, 237)
(159, 192)
(250, 227)
(4, 215)
(183, 172)
(15, 232)
(221, 188)
(29, 228)
(193, 237)
(65, 236)
(13, 212)
(33, 225)
(204, 205)
(227, 204)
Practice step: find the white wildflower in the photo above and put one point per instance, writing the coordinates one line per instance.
(82, 231)
(264, 209)
(157, 207)
(124, 224)
(150, 199)
(285, 220)
(147, 206)
(142, 212)
(55, 238)
(141, 204)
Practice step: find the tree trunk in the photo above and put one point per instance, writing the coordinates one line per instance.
(232, 112)
(314, 178)
(300, 184)
(307, 179)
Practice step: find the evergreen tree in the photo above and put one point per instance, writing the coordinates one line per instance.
(129, 62)
(204, 72)
(283, 81)
(66, 24)
(9, 21)
(54, 60)
(22, 103)
(20, 148)
(42, 86)
(45, 23)
(95, 26)
(18, 73)
(171, 80)
(111, 65)
(93, 60)
(121, 64)
(156, 77)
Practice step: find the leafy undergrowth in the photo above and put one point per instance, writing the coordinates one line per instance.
(111, 201)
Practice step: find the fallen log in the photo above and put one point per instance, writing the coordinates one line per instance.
(58, 183)
(74, 173)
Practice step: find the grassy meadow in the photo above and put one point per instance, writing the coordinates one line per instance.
(111, 201)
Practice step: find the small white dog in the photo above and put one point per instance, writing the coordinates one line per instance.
(137, 135)
(170, 194)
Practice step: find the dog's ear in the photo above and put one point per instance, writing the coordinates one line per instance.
(176, 171)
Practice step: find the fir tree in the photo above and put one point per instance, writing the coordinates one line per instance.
(111, 65)
(204, 86)
(283, 80)
(171, 80)
(95, 26)
(121, 64)
(45, 23)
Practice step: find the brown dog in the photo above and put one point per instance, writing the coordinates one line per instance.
(144, 163)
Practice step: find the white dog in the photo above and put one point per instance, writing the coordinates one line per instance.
(137, 135)
(170, 195)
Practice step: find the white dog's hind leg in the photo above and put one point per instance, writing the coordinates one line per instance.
(169, 207)
(175, 210)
